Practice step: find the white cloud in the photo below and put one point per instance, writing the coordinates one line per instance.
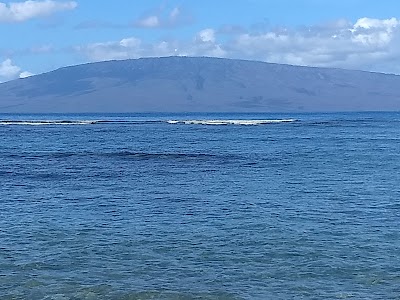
(203, 44)
(367, 23)
(130, 42)
(164, 18)
(41, 49)
(367, 44)
(174, 14)
(25, 74)
(374, 31)
(149, 22)
(106, 51)
(22, 11)
(9, 71)
(160, 17)
(126, 48)
(206, 35)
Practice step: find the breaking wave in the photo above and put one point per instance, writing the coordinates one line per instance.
(139, 122)
(229, 122)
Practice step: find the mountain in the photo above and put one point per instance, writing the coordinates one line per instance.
(199, 84)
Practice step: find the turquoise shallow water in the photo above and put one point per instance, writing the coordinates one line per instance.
(136, 207)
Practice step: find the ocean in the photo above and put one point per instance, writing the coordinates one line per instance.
(200, 206)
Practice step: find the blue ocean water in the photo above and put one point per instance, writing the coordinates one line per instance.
(180, 207)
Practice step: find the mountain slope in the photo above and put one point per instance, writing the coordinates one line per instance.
(175, 84)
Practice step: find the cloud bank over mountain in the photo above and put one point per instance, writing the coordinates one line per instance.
(368, 44)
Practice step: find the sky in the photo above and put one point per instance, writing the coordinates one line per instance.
(43, 35)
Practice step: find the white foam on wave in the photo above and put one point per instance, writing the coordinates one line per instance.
(229, 122)
(187, 122)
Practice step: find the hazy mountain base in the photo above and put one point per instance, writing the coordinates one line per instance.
(187, 84)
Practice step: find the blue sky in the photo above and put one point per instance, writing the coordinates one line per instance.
(38, 36)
